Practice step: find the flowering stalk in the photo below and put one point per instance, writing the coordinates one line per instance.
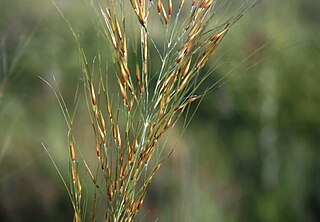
(129, 124)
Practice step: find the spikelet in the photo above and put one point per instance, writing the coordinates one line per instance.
(103, 138)
(103, 123)
(110, 192)
(72, 151)
(93, 94)
(170, 7)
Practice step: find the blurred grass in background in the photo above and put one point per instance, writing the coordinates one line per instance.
(251, 152)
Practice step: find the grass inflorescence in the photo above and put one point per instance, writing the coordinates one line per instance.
(128, 124)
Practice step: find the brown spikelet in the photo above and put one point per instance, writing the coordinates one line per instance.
(125, 67)
(157, 168)
(135, 146)
(102, 162)
(168, 124)
(143, 155)
(155, 142)
(121, 172)
(123, 74)
(209, 51)
(203, 3)
(98, 150)
(206, 3)
(170, 7)
(139, 164)
(134, 173)
(130, 87)
(125, 169)
(110, 192)
(138, 73)
(159, 6)
(217, 36)
(194, 98)
(188, 102)
(129, 148)
(142, 88)
(130, 158)
(148, 159)
(151, 129)
(181, 54)
(116, 183)
(178, 107)
(123, 92)
(140, 204)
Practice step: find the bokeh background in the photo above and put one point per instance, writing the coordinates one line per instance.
(251, 152)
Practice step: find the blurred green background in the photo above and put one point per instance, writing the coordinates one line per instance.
(251, 152)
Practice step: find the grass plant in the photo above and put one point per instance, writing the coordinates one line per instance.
(135, 91)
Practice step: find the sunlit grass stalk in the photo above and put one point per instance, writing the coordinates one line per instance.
(128, 126)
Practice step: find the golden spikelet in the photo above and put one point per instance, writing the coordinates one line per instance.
(131, 104)
(168, 124)
(103, 138)
(73, 173)
(134, 5)
(72, 152)
(118, 29)
(79, 187)
(164, 14)
(103, 123)
(123, 92)
(98, 150)
(118, 136)
(93, 94)
(114, 132)
(184, 82)
(185, 67)
(109, 108)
